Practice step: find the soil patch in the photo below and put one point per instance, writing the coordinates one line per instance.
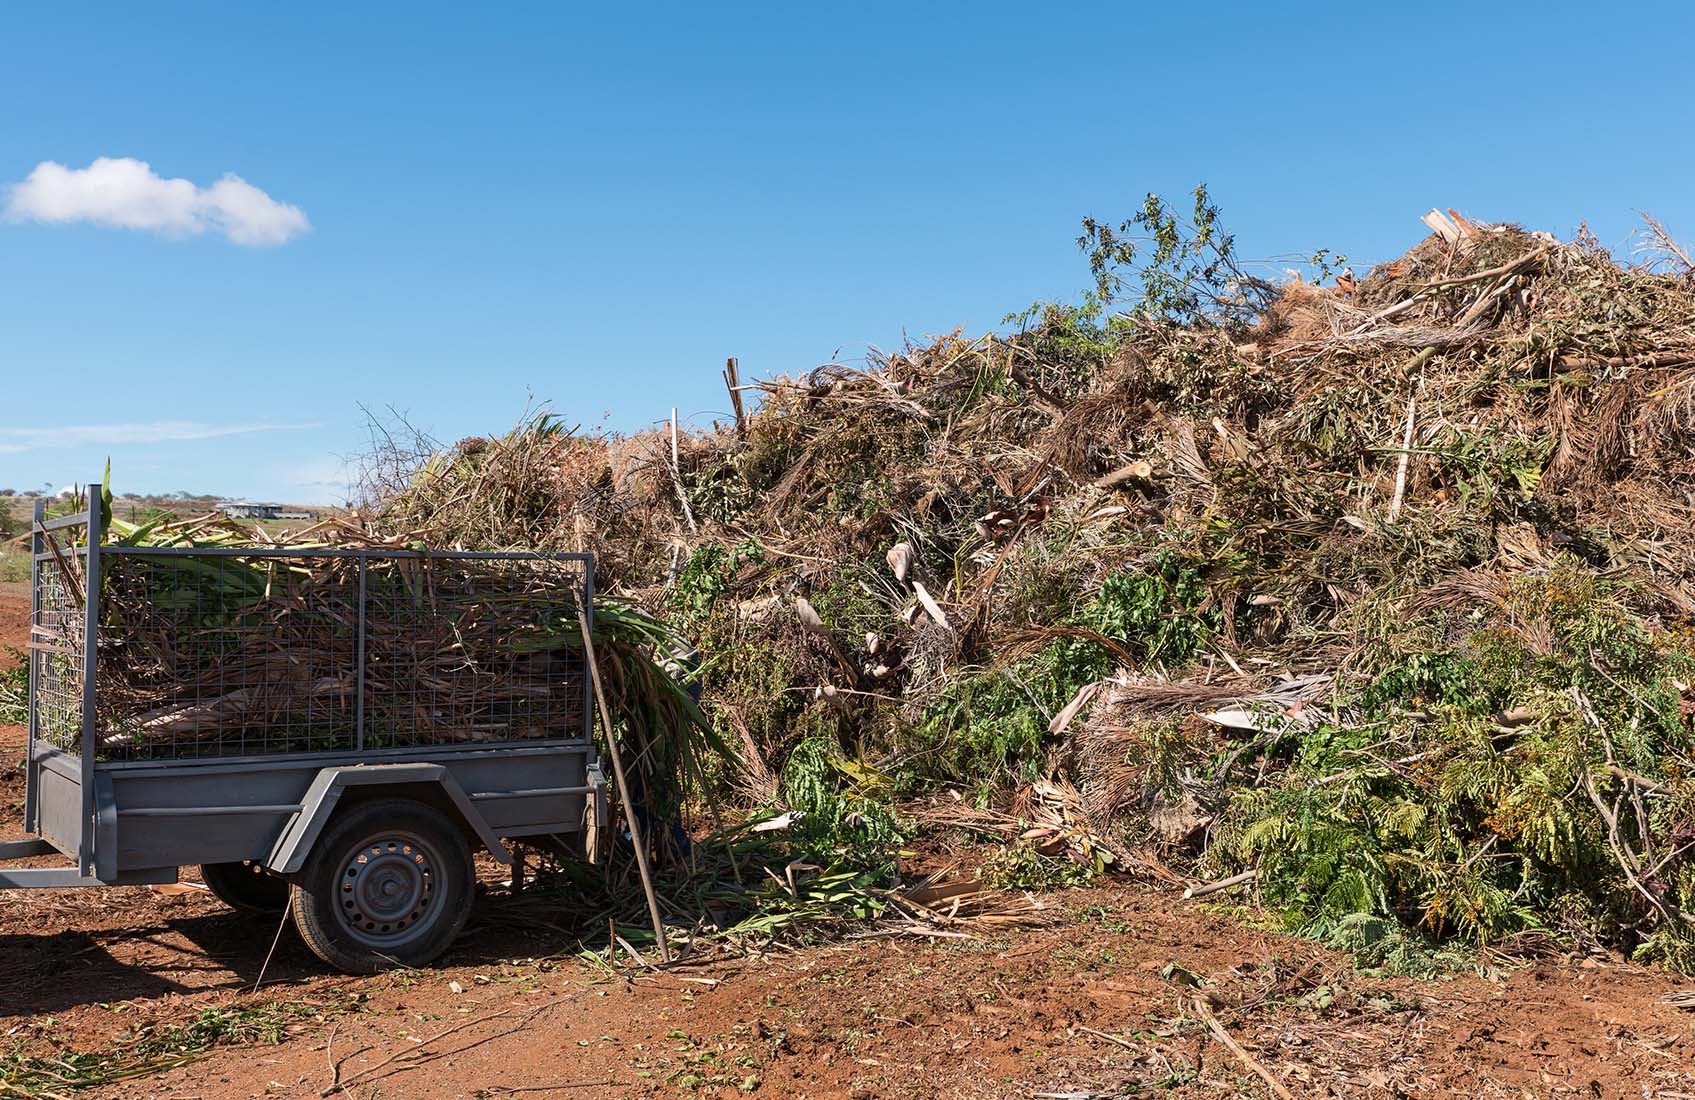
(1101, 1000)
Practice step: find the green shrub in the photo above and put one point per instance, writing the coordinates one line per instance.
(841, 827)
(1162, 610)
(1020, 866)
(1479, 829)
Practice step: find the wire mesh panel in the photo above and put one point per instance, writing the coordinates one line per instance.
(226, 655)
(208, 653)
(56, 641)
(472, 650)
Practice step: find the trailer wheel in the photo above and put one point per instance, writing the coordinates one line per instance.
(246, 886)
(387, 884)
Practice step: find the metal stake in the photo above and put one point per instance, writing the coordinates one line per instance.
(91, 666)
(31, 811)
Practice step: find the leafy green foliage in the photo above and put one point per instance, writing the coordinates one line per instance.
(14, 686)
(1446, 677)
(1324, 264)
(1069, 344)
(1387, 947)
(706, 576)
(1019, 866)
(1162, 610)
(838, 825)
(153, 1048)
(1436, 816)
(1184, 272)
(14, 565)
(986, 730)
(847, 608)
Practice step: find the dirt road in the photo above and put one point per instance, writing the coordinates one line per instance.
(1101, 999)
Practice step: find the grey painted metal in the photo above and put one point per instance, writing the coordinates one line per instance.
(60, 780)
(60, 878)
(359, 658)
(253, 803)
(586, 610)
(31, 810)
(74, 519)
(539, 792)
(91, 636)
(387, 886)
(402, 754)
(271, 787)
(24, 849)
(209, 811)
(320, 802)
(597, 780)
(105, 827)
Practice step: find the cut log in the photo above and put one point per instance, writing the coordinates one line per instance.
(1139, 470)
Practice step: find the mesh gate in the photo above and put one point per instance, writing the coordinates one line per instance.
(56, 639)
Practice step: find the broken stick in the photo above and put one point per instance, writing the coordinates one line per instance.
(1242, 1056)
(630, 815)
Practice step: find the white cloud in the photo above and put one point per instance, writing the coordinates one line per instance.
(127, 193)
(18, 440)
(321, 479)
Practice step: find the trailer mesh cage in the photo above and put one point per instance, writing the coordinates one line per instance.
(237, 652)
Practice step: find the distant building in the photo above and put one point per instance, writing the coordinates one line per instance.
(252, 509)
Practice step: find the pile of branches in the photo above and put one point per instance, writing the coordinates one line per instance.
(1370, 595)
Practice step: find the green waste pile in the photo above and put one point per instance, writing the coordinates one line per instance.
(1367, 595)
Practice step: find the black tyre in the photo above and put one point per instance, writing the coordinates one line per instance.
(387, 884)
(246, 886)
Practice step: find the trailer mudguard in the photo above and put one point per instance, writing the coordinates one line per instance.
(320, 801)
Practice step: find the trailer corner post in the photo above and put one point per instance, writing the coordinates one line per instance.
(589, 689)
(91, 664)
(359, 665)
(32, 812)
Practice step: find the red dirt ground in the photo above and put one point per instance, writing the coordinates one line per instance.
(1077, 1008)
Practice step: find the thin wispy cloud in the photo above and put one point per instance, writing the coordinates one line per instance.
(328, 479)
(18, 440)
(126, 193)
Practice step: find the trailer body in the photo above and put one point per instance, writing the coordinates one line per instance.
(264, 796)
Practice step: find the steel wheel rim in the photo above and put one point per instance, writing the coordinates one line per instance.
(385, 894)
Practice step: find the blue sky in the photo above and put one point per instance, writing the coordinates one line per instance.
(594, 206)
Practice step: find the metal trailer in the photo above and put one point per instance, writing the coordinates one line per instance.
(365, 835)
